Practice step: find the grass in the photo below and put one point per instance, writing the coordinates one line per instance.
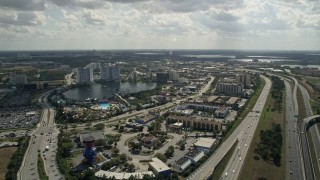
(41, 169)
(254, 169)
(309, 83)
(302, 110)
(5, 157)
(218, 172)
(248, 107)
(313, 156)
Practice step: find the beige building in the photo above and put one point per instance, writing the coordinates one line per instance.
(196, 122)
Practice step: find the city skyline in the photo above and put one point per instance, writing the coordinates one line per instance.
(168, 24)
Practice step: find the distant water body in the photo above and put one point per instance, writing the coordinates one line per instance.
(105, 90)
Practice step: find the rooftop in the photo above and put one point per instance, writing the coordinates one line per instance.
(232, 100)
(204, 142)
(222, 109)
(91, 136)
(193, 153)
(181, 161)
(158, 165)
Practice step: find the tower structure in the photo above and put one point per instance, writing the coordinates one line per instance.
(89, 151)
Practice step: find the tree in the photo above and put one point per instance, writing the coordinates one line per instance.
(131, 167)
(115, 151)
(169, 152)
(123, 157)
(162, 157)
(182, 146)
(100, 142)
(100, 126)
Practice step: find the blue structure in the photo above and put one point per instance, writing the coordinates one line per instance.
(89, 151)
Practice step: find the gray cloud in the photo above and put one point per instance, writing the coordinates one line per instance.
(23, 5)
(93, 4)
(92, 18)
(22, 18)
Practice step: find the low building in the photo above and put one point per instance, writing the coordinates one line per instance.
(124, 175)
(204, 144)
(194, 155)
(146, 119)
(82, 136)
(181, 164)
(197, 122)
(222, 112)
(159, 167)
(177, 127)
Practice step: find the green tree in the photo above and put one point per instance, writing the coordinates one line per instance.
(161, 156)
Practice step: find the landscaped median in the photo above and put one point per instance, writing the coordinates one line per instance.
(41, 169)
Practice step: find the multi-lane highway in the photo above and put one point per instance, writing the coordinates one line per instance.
(309, 171)
(293, 164)
(243, 133)
(38, 143)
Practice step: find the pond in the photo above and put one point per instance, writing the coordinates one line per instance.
(106, 90)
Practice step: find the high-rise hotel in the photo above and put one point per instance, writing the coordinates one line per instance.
(84, 75)
(110, 73)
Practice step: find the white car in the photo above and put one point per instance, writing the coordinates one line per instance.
(245, 145)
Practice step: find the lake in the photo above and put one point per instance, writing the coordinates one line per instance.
(105, 90)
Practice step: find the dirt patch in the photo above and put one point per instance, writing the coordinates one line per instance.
(6, 154)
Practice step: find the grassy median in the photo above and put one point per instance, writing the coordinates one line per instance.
(41, 169)
(255, 167)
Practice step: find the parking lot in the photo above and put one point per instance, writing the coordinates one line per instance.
(19, 117)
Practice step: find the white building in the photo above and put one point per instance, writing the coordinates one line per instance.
(204, 144)
(18, 79)
(230, 88)
(159, 167)
(173, 76)
(222, 112)
(194, 155)
(244, 79)
(84, 75)
(181, 164)
(110, 73)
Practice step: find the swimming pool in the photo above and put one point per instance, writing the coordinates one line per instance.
(104, 105)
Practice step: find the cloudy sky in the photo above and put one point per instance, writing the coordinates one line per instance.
(159, 24)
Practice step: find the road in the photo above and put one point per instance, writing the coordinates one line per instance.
(38, 143)
(314, 134)
(293, 162)
(243, 133)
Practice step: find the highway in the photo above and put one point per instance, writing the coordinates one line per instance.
(38, 143)
(293, 164)
(314, 134)
(243, 133)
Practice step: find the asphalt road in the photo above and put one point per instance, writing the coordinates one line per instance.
(293, 164)
(38, 143)
(243, 133)
(314, 134)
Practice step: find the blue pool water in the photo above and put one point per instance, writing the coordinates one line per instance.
(104, 105)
